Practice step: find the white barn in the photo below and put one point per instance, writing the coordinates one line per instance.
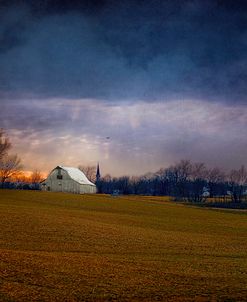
(68, 179)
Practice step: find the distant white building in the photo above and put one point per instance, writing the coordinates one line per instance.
(68, 179)
(206, 192)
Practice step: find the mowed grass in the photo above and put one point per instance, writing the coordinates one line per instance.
(64, 247)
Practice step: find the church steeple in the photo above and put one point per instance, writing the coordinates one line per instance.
(98, 173)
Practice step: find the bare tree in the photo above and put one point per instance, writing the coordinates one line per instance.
(10, 165)
(238, 182)
(215, 177)
(89, 171)
(36, 177)
(5, 144)
(161, 181)
(123, 184)
(134, 180)
(198, 173)
(182, 170)
(180, 174)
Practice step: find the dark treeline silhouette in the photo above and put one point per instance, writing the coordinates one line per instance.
(185, 181)
(15, 185)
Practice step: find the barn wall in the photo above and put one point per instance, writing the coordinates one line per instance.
(66, 184)
(87, 189)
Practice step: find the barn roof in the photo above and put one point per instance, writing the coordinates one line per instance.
(77, 175)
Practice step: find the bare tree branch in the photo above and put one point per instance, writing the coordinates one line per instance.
(10, 165)
(89, 171)
(5, 144)
(36, 177)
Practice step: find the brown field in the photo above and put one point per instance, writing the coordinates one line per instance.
(64, 247)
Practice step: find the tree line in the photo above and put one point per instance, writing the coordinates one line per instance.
(186, 181)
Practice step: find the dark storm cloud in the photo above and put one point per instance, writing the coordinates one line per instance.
(124, 50)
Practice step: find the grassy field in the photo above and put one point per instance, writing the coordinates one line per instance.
(64, 247)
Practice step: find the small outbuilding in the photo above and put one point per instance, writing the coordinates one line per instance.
(68, 179)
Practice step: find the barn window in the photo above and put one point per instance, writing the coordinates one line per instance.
(59, 175)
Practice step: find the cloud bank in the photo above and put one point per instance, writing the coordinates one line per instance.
(164, 80)
(74, 132)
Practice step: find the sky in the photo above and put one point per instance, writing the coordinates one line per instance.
(133, 85)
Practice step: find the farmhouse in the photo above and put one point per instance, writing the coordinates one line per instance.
(68, 179)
